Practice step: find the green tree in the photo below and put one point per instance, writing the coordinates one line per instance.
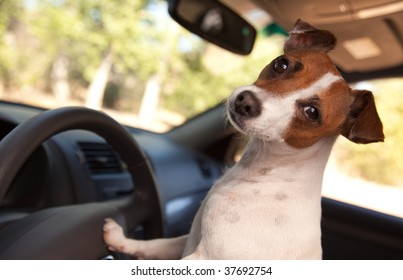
(209, 74)
(84, 41)
(11, 62)
(93, 38)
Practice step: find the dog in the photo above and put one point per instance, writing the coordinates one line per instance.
(268, 205)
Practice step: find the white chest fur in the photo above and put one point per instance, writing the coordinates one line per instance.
(270, 210)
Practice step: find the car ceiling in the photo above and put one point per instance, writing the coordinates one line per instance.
(369, 32)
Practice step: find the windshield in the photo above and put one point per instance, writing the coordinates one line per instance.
(128, 58)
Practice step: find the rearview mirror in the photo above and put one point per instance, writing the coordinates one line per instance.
(214, 22)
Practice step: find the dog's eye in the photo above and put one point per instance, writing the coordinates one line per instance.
(311, 112)
(280, 65)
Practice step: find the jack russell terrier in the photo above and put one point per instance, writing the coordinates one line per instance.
(268, 206)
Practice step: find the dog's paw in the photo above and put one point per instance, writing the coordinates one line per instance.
(113, 236)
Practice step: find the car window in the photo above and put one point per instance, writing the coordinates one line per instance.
(372, 175)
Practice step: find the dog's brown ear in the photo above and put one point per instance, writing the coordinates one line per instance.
(305, 36)
(363, 124)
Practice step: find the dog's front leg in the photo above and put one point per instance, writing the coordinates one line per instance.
(163, 248)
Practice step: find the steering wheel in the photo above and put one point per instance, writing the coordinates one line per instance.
(75, 231)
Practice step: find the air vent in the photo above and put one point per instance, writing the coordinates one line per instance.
(205, 167)
(101, 158)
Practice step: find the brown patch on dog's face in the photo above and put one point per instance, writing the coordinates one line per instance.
(332, 109)
(294, 70)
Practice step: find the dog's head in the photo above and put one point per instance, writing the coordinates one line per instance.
(300, 97)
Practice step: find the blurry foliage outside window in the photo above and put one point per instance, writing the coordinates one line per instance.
(130, 59)
(126, 56)
(380, 162)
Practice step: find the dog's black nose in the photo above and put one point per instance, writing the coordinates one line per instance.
(247, 105)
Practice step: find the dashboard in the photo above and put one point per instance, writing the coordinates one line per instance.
(78, 166)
